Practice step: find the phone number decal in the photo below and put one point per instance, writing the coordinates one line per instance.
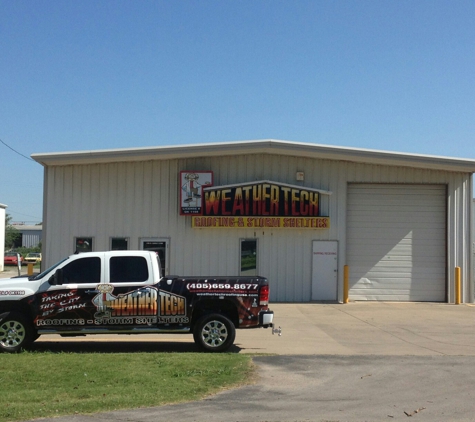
(193, 287)
(12, 292)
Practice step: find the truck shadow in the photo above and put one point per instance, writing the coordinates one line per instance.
(65, 346)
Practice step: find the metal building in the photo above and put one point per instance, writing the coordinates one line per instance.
(30, 236)
(293, 212)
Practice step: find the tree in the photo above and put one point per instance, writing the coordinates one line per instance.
(11, 233)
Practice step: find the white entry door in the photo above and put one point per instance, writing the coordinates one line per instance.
(324, 270)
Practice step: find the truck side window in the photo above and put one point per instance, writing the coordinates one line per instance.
(81, 271)
(128, 269)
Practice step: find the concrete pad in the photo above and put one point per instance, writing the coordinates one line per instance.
(358, 328)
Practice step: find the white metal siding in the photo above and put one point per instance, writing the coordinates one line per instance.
(396, 242)
(140, 199)
(31, 239)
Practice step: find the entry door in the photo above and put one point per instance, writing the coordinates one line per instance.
(72, 303)
(159, 245)
(324, 270)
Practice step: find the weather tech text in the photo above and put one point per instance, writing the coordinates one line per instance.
(261, 199)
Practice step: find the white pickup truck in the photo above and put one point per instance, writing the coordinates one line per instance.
(123, 292)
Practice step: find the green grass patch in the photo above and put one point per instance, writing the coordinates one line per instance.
(35, 385)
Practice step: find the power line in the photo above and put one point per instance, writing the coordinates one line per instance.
(15, 151)
(26, 215)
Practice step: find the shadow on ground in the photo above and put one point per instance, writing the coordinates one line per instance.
(118, 347)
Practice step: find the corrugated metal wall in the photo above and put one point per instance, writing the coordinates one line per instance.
(31, 239)
(141, 199)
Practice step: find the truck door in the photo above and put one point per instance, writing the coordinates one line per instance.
(128, 294)
(70, 304)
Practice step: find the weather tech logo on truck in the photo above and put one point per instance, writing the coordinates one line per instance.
(149, 303)
(172, 308)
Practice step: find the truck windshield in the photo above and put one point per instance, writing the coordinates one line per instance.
(41, 275)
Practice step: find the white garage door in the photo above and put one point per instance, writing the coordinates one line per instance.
(396, 242)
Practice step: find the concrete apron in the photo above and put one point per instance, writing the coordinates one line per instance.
(356, 328)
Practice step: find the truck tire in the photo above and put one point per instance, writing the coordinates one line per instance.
(16, 332)
(214, 333)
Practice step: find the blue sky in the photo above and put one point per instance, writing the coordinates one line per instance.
(91, 74)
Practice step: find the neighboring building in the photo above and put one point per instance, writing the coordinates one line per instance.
(30, 236)
(2, 235)
(293, 212)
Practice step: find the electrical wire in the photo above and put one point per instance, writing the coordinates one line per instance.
(15, 151)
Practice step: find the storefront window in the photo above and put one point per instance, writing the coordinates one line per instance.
(119, 243)
(83, 244)
(248, 257)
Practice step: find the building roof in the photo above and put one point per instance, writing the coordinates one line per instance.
(266, 146)
(25, 227)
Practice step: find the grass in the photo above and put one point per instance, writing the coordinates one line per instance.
(49, 384)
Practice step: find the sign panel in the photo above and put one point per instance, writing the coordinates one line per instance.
(261, 222)
(261, 198)
(191, 190)
(259, 204)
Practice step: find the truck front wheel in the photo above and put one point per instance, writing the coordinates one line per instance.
(214, 333)
(16, 332)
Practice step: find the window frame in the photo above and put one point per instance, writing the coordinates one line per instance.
(256, 269)
(84, 238)
(126, 239)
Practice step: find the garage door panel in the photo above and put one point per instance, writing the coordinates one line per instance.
(394, 271)
(403, 296)
(388, 290)
(397, 254)
(390, 294)
(398, 220)
(396, 242)
(406, 275)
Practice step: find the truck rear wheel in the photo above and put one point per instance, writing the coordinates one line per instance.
(214, 333)
(16, 332)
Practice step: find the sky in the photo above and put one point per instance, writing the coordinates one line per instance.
(99, 74)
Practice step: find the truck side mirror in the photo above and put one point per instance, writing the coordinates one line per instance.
(57, 279)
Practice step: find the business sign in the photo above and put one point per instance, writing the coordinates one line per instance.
(260, 204)
(191, 191)
(263, 198)
(262, 222)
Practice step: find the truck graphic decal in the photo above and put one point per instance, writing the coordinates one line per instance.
(172, 305)
(57, 303)
(140, 302)
(146, 301)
